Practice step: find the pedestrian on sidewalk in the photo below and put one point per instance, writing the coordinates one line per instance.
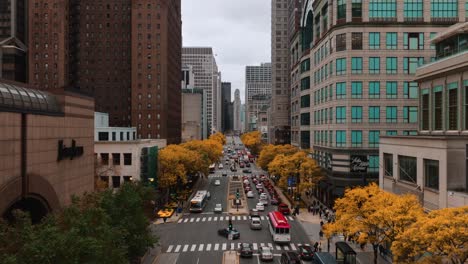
(321, 234)
(320, 213)
(316, 246)
(309, 208)
(321, 223)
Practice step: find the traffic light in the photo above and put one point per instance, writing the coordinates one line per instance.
(230, 225)
(237, 193)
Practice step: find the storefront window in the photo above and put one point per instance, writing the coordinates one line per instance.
(407, 168)
(431, 174)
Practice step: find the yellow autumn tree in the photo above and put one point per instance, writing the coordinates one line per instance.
(440, 236)
(280, 167)
(209, 151)
(253, 141)
(270, 151)
(371, 215)
(175, 162)
(219, 137)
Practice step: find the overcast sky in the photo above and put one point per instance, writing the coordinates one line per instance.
(238, 31)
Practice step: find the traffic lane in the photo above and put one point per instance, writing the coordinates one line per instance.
(201, 257)
(217, 193)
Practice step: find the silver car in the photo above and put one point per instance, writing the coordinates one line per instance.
(218, 208)
(265, 254)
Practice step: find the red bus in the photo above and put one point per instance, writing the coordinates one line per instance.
(279, 227)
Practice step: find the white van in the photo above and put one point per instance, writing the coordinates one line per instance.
(255, 223)
(220, 166)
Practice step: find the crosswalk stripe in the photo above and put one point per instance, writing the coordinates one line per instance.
(180, 221)
(221, 218)
(208, 247)
(278, 247)
(255, 246)
(186, 220)
(270, 245)
(193, 247)
(245, 217)
(307, 245)
(238, 217)
(215, 219)
(290, 218)
(286, 247)
(203, 219)
(293, 247)
(198, 219)
(177, 248)
(262, 244)
(209, 219)
(216, 247)
(262, 218)
(224, 246)
(185, 248)
(232, 246)
(191, 220)
(200, 248)
(169, 249)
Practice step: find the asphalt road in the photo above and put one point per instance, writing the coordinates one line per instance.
(194, 238)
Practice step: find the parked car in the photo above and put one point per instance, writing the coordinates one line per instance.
(284, 209)
(305, 252)
(217, 183)
(246, 171)
(246, 250)
(254, 212)
(220, 166)
(250, 194)
(218, 208)
(260, 207)
(247, 164)
(246, 181)
(265, 254)
(224, 174)
(290, 257)
(225, 233)
(255, 223)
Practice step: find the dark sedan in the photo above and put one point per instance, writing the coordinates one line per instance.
(225, 233)
(246, 171)
(246, 250)
(305, 252)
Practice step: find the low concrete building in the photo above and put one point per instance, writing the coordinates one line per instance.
(433, 164)
(46, 149)
(119, 157)
(192, 114)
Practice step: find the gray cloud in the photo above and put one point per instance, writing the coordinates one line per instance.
(238, 31)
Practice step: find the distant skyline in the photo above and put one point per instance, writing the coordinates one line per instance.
(238, 31)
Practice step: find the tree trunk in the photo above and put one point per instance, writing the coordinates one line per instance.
(375, 254)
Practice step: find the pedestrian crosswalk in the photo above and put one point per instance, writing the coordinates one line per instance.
(180, 248)
(222, 218)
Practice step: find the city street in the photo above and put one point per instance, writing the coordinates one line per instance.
(194, 238)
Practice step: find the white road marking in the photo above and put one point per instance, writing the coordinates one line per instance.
(262, 244)
(186, 220)
(270, 245)
(177, 248)
(278, 248)
(208, 247)
(200, 248)
(209, 219)
(198, 219)
(191, 220)
(185, 248)
(224, 246)
(216, 247)
(307, 245)
(262, 218)
(291, 218)
(215, 219)
(286, 247)
(180, 221)
(238, 217)
(193, 247)
(169, 249)
(293, 247)
(245, 217)
(203, 219)
(221, 218)
(255, 246)
(232, 246)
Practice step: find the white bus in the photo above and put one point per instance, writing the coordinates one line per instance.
(212, 168)
(198, 201)
(279, 227)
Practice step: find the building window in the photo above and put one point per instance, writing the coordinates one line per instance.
(374, 90)
(407, 168)
(410, 64)
(388, 164)
(413, 9)
(103, 136)
(341, 66)
(341, 90)
(425, 109)
(305, 101)
(410, 90)
(410, 133)
(431, 174)
(374, 65)
(105, 158)
(373, 163)
(356, 8)
(438, 108)
(356, 90)
(305, 65)
(116, 158)
(115, 181)
(452, 106)
(413, 41)
(340, 138)
(114, 138)
(356, 65)
(341, 9)
(374, 114)
(410, 114)
(391, 63)
(340, 114)
(392, 40)
(374, 40)
(392, 90)
(444, 8)
(127, 178)
(305, 83)
(341, 42)
(382, 9)
(465, 82)
(127, 159)
(305, 119)
(356, 41)
(391, 114)
(374, 138)
(356, 114)
(391, 133)
(356, 138)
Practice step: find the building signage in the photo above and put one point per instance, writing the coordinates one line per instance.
(359, 163)
(65, 152)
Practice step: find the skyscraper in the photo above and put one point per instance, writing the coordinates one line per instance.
(226, 104)
(124, 53)
(357, 73)
(206, 76)
(279, 129)
(257, 93)
(237, 112)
